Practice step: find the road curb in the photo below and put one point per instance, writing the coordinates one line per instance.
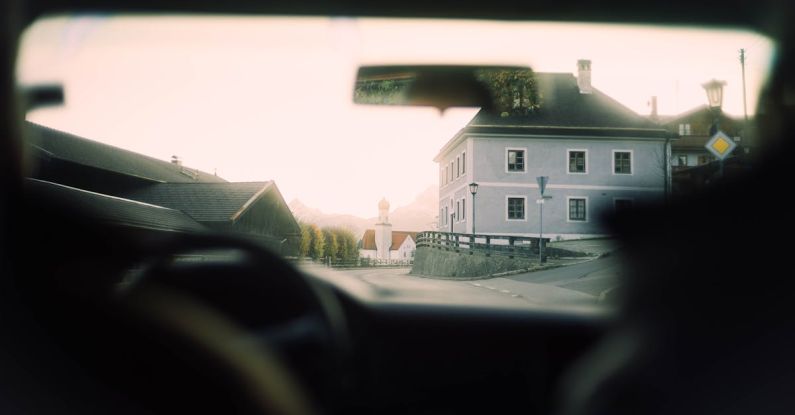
(505, 273)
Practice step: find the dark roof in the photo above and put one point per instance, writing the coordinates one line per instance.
(564, 111)
(562, 105)
(204, 202)
(368, 239)
(115, 210)
(690, 142)
(69, 147)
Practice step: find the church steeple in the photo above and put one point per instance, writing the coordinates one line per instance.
(383, 211)
(383, 231)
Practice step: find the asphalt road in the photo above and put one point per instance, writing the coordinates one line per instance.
(576, 284)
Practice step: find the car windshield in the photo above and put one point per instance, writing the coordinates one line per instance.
(248, 125)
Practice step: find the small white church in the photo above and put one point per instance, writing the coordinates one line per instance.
(383, 243)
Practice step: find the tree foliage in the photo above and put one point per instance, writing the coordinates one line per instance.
(330, 245)
(337, 243)
(316, 242)
(306, 240)
(514, 92)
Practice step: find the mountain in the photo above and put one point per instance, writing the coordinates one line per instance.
(419, 215)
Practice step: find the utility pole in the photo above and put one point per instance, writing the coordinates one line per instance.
(742, 65)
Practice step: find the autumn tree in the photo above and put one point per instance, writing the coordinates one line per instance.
(306, 240)
(316, 242)
(346, 245)
(330, 246)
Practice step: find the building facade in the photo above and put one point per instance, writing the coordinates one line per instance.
(599, 156)
(693, 128)
(384, 244)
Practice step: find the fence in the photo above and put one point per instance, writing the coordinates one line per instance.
(503, 245)
(367, 262)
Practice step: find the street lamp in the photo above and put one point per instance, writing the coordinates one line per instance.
(714, 90)
(473, 188)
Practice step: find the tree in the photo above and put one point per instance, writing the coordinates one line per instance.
(346, 245)
(514, 91)
(306, 240)
(316, 243)
(330, 245)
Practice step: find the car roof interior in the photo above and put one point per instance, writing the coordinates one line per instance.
(692, 335)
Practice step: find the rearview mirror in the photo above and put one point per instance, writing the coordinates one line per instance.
(494, 88)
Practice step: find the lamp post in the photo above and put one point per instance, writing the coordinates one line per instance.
(714, 90)
(473, 188)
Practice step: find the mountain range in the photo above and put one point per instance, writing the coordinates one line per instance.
(419, 215)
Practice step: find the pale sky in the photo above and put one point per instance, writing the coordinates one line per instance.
(270, 98)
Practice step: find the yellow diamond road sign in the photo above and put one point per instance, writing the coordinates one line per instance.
(721, 145)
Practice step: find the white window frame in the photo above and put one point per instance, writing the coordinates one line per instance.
(678, 158)
(568, 157)
(568, 209)
(458, 211)
(613, 163)
(458, 167)
(615, 199)
(463, 209)
(525, 208)
(464, 162)
(452, 174)
(524, 167)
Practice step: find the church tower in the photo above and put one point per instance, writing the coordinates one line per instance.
(383, 231)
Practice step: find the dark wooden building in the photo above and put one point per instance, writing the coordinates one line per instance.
(134, 190)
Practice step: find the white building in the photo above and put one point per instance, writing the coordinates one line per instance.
(383, 243)
(599, 156)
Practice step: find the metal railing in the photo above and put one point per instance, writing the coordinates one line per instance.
(503, 245)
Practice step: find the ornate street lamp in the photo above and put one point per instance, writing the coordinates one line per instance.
(714, 90)
(473, 188)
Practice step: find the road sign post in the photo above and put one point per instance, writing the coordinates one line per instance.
(721, 146)
(542, 184)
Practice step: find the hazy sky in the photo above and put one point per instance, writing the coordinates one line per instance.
(270, 98)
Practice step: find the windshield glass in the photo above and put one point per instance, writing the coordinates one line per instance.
(249, 125)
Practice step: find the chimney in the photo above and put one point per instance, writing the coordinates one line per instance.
(654, 115)
(584, 76)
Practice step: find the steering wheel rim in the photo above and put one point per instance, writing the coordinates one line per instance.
(181, 297)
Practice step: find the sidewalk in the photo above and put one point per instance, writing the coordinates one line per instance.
(595, 247)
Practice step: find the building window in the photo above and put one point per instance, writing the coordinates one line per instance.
(622, 205)
(684, 129)
(458, 166)
(515, 160)
(622, 162)
(463, 209)
(451, 170)
(577, 161)
(681, 160)
(516, 208)
(463, 163)
(458, 211)
(577, 209)
(704, 159)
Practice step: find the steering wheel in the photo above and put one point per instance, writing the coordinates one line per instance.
(237, 324)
